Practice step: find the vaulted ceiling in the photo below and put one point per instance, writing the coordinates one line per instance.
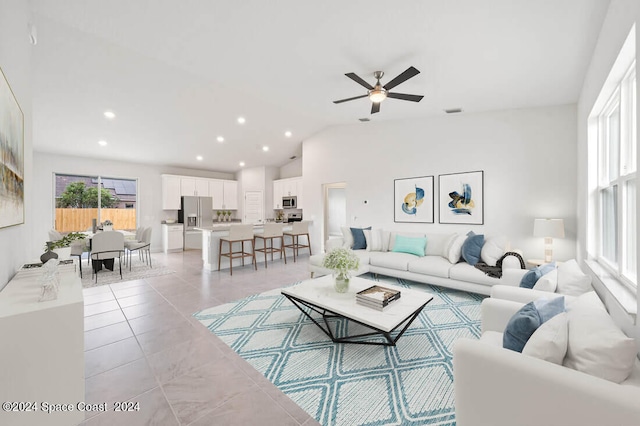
(178, 73)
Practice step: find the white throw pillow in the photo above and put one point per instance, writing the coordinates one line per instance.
(455, 249)
(549, 341)
(377, 240)
(571, 280)
(596, 345)
(548, 282)
(347, 236)
(436, 244)
(493, 249)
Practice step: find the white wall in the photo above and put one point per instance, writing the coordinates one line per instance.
(292, 169)
(150, 211)
(15, 61)
(621, 16)
(528, 159)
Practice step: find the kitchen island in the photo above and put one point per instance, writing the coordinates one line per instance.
(211, 244)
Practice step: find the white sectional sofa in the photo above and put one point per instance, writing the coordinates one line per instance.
(500, 387)
(438, 267)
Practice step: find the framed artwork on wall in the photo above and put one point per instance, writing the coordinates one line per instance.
(11, 157)
(413, 200)
(461, 198)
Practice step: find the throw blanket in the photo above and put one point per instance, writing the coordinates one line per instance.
(496, 271)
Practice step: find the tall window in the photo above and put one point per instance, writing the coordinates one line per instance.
(617, 147)
(82, 199)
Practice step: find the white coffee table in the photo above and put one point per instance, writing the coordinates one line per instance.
(318, 295)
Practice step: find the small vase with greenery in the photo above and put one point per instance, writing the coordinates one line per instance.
(219, 213)
(228, 213)
(341, 261)
(107, 225)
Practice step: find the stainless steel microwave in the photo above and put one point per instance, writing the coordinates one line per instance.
(289, 202)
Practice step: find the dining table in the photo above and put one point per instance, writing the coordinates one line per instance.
(97, 265)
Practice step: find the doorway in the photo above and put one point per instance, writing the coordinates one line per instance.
(253, 207)
(335, 209)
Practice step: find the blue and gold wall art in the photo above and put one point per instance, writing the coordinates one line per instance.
(11, 157)
(413, 200)
(461, 198)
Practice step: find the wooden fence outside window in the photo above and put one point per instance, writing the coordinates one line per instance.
(68, 220)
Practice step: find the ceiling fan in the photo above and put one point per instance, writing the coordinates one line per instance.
(379, 93)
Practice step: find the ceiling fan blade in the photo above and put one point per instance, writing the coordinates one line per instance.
(405, 97)
(349, 99)
(359, 80)
(406, 75)
(375, 107)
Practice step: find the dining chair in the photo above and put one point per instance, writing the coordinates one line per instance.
(107, 245)
(298, 229)
(270, 232)
(143, 246)
(238, 234)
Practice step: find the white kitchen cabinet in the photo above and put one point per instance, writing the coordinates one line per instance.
(187, 186)
(202, 187)
(216, 190)
(230, 194)
(170, 192)
(277, 194)
(289, 187)
(224, 193)
(172, 237)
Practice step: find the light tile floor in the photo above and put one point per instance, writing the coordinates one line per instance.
(143, 345)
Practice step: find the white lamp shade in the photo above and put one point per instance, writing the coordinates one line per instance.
(552, 228)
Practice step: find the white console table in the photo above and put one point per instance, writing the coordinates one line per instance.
(42, 349)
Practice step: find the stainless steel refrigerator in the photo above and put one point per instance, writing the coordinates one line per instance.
(195, 212)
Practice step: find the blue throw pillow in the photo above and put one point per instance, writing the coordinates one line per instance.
(527, 320)
(411, 245)
(472, 248)
(548, 309)
(359, 241)
(531, 278)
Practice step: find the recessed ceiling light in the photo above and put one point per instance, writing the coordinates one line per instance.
(199, 158)
(242, 164)
(102, 143)
(265, 148)
(241, 120)
(109, 115)
(220, 139)
(288, 134)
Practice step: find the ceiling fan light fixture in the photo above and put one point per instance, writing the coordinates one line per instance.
(377, 95)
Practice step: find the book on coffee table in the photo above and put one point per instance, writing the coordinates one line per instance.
(378, 295)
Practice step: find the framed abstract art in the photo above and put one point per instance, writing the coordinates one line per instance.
(11, 157)
(461, 198)
(413, 200)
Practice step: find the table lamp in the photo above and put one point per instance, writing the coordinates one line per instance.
(548, 229)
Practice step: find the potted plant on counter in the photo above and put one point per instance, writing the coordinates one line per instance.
(107, 225)
(342, 261)
(219, 213)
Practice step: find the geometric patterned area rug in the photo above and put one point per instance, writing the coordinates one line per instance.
(351, 384)
(139, 270)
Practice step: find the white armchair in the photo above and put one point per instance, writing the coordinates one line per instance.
(500, 387)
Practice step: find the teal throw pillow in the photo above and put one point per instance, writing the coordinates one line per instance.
(359, 241)
(472, 248)
(411, 245)
(531, 278)
(527, 320)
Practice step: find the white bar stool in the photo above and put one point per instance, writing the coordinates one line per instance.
(238, 234)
